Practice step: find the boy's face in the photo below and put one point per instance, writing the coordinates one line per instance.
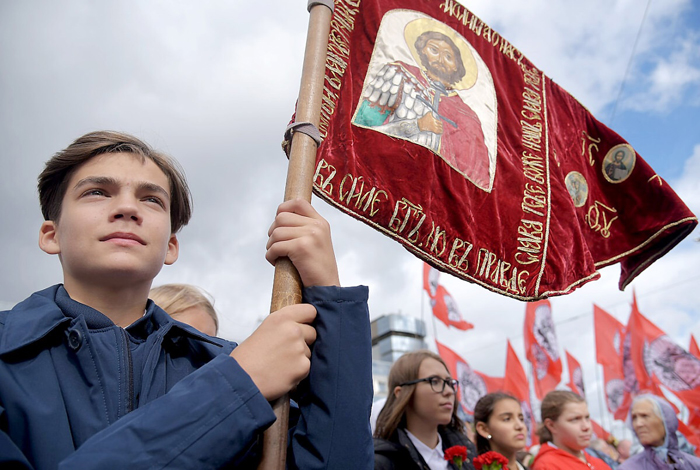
(114, 226)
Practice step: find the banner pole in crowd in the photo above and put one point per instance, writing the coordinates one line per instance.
(287, 285)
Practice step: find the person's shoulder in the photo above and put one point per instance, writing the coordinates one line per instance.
(386, 454)
(547, 458)
(453, 437)
(30, 319)
(383, 446)
(632, 463)
(597, 462)
(690, 461)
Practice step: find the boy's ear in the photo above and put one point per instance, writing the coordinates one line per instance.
(173, 250)
(48, 241)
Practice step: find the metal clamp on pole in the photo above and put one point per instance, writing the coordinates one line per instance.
(307, 128)
(329, 3)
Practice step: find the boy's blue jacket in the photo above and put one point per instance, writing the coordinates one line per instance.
(78, 392)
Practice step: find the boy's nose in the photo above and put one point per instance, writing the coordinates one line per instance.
(126, 208)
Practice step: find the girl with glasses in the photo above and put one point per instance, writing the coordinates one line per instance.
(500, 427)
(419, 419)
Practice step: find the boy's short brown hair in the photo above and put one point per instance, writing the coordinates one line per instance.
(53, 181)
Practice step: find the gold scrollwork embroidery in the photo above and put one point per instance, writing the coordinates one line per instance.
(585, 138)
(597, 218)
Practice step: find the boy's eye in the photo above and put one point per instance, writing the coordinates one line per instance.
(154, 200)
(94, 192)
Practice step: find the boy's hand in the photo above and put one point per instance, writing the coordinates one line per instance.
(303, 236)
(277, 355)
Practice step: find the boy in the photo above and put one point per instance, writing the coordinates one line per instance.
(95, 375)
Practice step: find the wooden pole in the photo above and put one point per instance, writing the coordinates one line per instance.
(287, 285)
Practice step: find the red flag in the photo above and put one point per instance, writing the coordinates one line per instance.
(541, 347)
(472, 384)
(493, 384)
(515, 382)
(599, 431)
(609, 336)
(609, 333)
(618, 398)
(430, 280)
(488, 169)
(658, 360)
(691, 434)
(445, 310)
(575, 375)
(693, 428)
(693, 349)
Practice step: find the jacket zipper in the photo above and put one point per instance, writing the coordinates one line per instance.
(130, 372)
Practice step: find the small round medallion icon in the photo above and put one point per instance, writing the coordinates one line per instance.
(619, 163)
(578, 188)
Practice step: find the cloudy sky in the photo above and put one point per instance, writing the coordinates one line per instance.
(213, 83)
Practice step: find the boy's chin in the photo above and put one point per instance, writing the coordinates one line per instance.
(118, 276)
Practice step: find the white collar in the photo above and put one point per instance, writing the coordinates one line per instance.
(434, 457)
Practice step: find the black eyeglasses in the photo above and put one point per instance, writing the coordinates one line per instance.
(436, 383)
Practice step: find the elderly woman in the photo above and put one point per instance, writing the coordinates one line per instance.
(655, 424)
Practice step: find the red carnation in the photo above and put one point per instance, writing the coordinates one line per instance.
(490, 461)
(456, 455)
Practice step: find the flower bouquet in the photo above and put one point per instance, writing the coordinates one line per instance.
(490, 461)
(457, 455)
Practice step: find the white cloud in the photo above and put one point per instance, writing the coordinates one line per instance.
(672, 78)
(688, 185)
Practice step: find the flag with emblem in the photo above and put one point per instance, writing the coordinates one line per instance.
(438, 132)
(445, 309)
(472, 384)
(609, 336)
(431, 278)
(658, 360)
(542, 347)
(515, 382)
(575, 375)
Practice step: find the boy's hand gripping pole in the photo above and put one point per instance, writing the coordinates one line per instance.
(287, 285)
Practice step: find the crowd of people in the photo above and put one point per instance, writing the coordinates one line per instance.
(566, 440)
(100, 371)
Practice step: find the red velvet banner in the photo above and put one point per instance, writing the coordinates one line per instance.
(439, 133)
